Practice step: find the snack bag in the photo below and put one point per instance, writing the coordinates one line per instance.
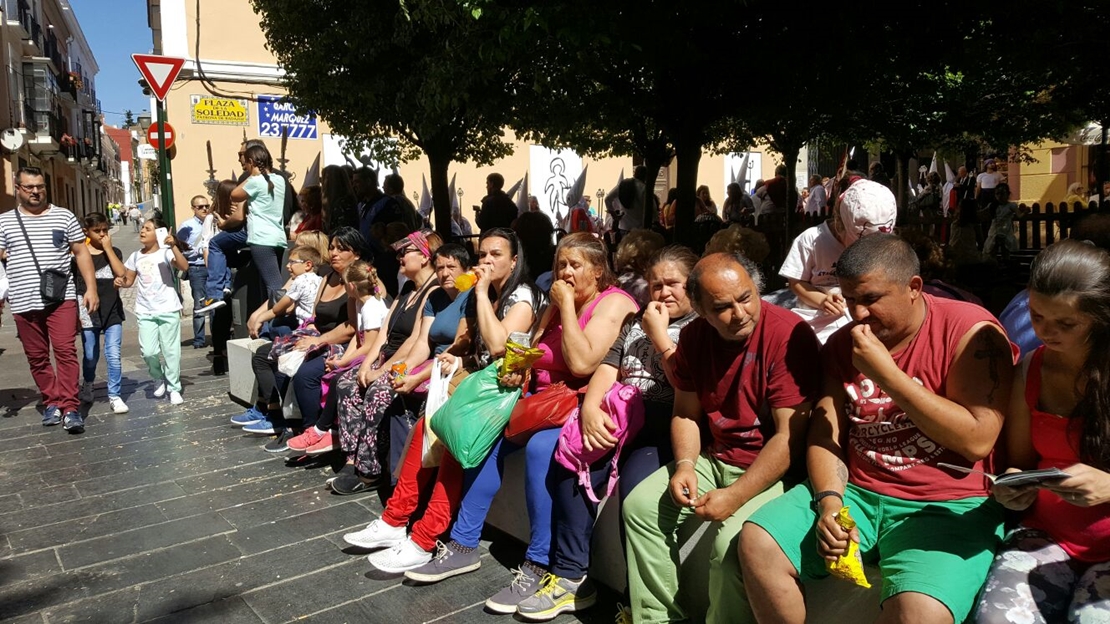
(399, 368)
(466, 281)
(519, 357)
(848, 566)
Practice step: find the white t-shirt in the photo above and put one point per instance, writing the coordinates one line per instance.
(208, 231)
(988, 180)
(371, 314)
(154, 281)
(816, 200)
(812, 257)
(303, 292)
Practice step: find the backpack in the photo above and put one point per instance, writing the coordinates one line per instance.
(625, 406)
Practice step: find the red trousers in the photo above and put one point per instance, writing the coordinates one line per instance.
(39, 331)
(446, 494)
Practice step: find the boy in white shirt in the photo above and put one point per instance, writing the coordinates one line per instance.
(300, 297)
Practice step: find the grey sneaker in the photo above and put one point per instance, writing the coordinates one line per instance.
(449, 561)
(86, 393)
(557, 595)
(525, 583)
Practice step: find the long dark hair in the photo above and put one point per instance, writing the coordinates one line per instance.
(519, 277)
(1081, 270)
(222, 204)
(260, 157)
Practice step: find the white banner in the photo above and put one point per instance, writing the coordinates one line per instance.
(733, 165)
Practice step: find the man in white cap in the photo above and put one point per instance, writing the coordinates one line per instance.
(866, 207)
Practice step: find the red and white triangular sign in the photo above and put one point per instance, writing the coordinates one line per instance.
(159, 71)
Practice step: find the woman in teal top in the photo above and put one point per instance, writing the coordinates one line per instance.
(265, 232)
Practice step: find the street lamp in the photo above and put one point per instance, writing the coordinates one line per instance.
(144, 120)
(460, 194)
(600, 200)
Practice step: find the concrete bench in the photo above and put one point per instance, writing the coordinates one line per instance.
(829, 600)
(242, 385)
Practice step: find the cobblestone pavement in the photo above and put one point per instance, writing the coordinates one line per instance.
(170, 514)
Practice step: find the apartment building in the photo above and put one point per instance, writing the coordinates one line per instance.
(48, 95)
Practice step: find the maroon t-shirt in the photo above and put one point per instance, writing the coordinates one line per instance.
(887, 453)
(739, 383)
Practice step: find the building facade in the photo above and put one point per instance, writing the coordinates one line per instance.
(49, 98)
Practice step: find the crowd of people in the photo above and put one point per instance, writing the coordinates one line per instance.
(670, 381)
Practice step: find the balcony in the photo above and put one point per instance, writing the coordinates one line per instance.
(44, 132)
(17, 15)
(68, 89)
(33, 42)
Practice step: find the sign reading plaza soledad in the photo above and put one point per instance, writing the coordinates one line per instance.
(275, 113)
(219, 111)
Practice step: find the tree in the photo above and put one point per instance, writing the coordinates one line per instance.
(396, 78)
(128, 118)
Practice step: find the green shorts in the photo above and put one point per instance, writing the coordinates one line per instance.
(940, 549)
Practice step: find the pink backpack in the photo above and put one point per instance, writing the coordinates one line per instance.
(622, 403)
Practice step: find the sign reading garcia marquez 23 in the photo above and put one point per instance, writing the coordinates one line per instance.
(220, 111)
(274, 113)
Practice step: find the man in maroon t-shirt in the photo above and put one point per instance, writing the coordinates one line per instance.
(913, 403)
(746, 373)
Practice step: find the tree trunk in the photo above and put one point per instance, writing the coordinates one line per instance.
(441, 202)
(790, 153)
(688, 153)
(651, 214)
(1103, 165)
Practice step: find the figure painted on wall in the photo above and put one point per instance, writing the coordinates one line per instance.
(556, 187)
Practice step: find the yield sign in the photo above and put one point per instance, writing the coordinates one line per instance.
(159, 71)
(160, 133)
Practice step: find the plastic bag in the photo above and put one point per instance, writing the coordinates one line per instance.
(848, 566)
(290, 362)
(438, 385)
(519, 357)
(473, 419)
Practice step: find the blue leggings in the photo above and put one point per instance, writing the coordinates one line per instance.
(481, 484)
(267, 261)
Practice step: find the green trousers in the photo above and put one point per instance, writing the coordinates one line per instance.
(160, 339)
(652, 520)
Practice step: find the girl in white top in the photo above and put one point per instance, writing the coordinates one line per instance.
(157, 305)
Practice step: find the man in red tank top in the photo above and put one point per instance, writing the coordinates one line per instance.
(915, 383)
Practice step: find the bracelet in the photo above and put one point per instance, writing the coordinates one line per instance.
(673, 347)
(684, 461)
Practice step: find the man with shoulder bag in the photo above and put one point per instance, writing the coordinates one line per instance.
(40, 240)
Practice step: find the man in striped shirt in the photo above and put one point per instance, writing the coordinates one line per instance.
(52, 235)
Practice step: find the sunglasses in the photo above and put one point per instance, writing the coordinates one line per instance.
(401, 253)
(201, 207)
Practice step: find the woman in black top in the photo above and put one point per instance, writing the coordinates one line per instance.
(333, 315)
(108, 319)
(365, 394)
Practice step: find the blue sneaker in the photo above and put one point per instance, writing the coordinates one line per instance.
(248, 417)
(52, 416)
(74, 422)
(262, 427)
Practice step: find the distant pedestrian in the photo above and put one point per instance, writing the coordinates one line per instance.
(39, 238)
(108, 319)
(136, 216)
(157, 306)
(498, 209)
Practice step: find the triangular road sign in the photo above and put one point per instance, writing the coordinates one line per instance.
(159, 72)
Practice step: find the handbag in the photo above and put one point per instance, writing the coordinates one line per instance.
(624, 405)
(547, 409)
(432, 452)
(52, 282)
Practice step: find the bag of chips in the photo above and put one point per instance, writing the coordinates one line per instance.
(519, 358)
(848, 566)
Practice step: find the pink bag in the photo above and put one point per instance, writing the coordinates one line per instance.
(625, 406)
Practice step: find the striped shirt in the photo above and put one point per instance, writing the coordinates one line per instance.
(51, 234)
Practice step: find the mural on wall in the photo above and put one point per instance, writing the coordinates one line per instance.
(551, 175)
(744, 168)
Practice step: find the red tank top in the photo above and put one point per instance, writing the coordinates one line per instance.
(1084, 532)
(552, 367)
(887, 453)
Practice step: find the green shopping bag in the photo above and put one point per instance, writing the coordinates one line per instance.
(474, 418)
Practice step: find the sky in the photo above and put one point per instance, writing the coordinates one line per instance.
(116, 29)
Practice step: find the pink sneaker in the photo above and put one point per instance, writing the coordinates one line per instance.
(327, 442)
(302, 442)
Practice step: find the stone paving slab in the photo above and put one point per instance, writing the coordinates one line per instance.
(169, 514)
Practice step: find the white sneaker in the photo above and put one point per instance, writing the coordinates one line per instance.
(404, 556)
(175, 398)
(117, 405)
(377, 534)
(86, 393)
(160, 390)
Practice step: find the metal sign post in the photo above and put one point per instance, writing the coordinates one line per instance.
(164, 172)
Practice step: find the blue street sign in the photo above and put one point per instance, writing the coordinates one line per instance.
(275, 114)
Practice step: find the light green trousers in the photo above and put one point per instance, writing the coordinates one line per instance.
(160, 339)
(653, 521)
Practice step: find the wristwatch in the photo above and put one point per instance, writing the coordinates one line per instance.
(815, 504)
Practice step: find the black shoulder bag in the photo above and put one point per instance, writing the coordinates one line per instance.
(52, 282)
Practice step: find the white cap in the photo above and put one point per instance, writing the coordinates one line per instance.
(867, 208)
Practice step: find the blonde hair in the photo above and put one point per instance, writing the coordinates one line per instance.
(735, 239)
(316, 240)
(635, 249)
(307, 254)
(364, 278)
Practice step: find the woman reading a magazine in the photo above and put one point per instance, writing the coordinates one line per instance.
(1055, 566)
